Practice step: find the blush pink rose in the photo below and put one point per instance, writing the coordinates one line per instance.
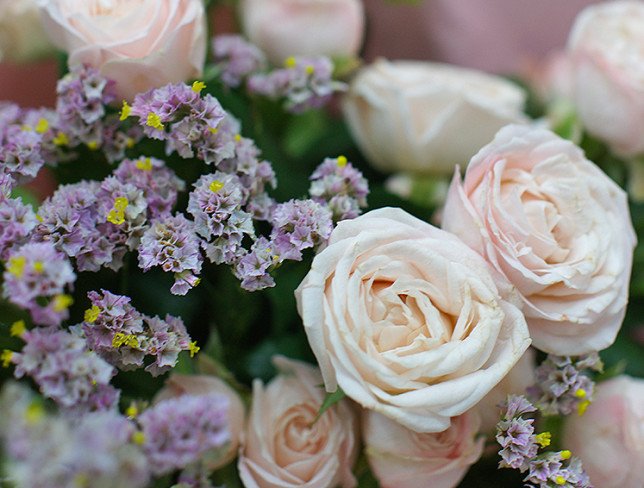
(609, 437)
(556, 227)
(286, 445)
(402, 458)
(283, 28)
(407, 320)
(141, 44)
(180, 384)
(605, 46)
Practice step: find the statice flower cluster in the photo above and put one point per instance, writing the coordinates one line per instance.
(562, 384)
(65, 371)
(180, 431)
(97, 450)
(236, 58)
(304, 83)
(520, 446)
(37, 278)
(125, 338)
(341, 187)
(17, 220)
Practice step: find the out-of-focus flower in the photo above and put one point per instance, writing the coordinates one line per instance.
(556, 227)
(608, 70)
(286, 444)
(140, 44)
(22, 37)
(283, 28)
(236, 58)
(179, 385)
(402, 458)
(407, 320)
(424, 117)
(609, 438)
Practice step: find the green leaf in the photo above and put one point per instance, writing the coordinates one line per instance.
(303, 132)
(330, 400)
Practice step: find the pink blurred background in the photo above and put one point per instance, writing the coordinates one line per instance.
(501, 36)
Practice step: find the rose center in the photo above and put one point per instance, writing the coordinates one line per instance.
(100, 8)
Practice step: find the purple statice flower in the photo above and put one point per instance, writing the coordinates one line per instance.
(116, 140)
(6, 184)
(181, 431)
(517, 440)
(216, 206)
(36, 278)
(21, 152)
(557, 469)
(10, 113)
(124, 337)
(52, 451)
(305, 83)
(299, 225)
(62, 367)
(562, 386)
(82, 96)
(236, 58)
(253, 269)
(17, 220)
(516, 406)
(159, 184)
(339, 185)
(172, 244)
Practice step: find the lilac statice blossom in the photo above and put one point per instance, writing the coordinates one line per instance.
(236, 58)
(6, 184)
(82, 97)
(562, 386)
(17, 220)
(159, 184)
(253, 269)
(172, 244)
(553, 470)
(216, 206)
(339, 185)
(299, 225)
(9, 114)
(36, 278)
(124, 337)
(20, 152)
(182, 431)
(98, 449)
(64, 369)
(304, 83)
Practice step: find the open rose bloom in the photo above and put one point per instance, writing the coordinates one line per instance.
(556, 227)
(141, 44)
(407, 320)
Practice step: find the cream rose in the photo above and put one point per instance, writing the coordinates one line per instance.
(22, 37)
(606, 47)
(286, 444)
(407, 320)
(180, 384)
(559, 230)
(283, 28)
(402, 458)
(141, 44)
(425, 117)
(609, 437)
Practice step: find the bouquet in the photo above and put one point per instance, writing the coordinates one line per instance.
(265, 262)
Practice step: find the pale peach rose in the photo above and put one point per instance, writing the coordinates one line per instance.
(557, 227)
(402, 458)
(423, 117)
(605, 45)
(180, 384)
(407, 320)
(141, 44)
(22, 37)
(286, 445)
(609, 437)
(284, 28)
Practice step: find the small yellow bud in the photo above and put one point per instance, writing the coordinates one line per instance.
(129, 143)
(39, 266)
(16, 266)
(132, 411)
(81, 480)
(216, 185)
(154, 120)
(125, 111)
(560, 480)
(193, 348)
(117, 215)
(581, 409)
(61, 139)
(290, 62)
(580, 393)
(34, 413)
(26, 128)
(197, 86)
(566, 454)
(5, 357)
(91, 314)
(138, 438)
(92, 145)
(42, 126)
(309, 69)
(62, 302)
(543, 439)
(342, 161)
(144, 164)
(39, 218)
(213, 130)
(17, 328)
(237, 137)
